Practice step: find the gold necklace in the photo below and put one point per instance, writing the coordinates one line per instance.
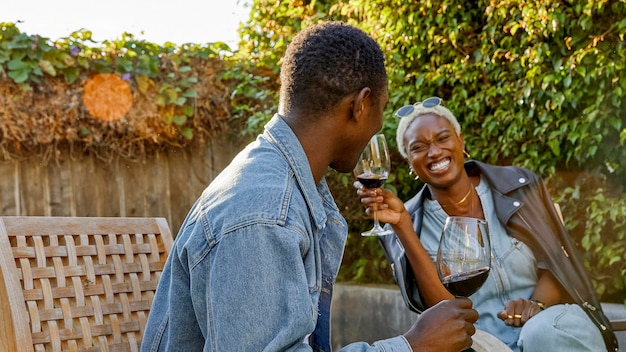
(462, 200)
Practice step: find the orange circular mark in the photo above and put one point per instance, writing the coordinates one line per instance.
(107, 96)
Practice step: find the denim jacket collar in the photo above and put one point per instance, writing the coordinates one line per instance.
(283, 138)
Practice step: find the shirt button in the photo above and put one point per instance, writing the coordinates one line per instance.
(522, 180)
(516, 204)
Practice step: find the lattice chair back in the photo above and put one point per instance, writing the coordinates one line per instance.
(78, 284)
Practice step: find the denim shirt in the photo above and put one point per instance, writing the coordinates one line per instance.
(253, 265)
(513, 271)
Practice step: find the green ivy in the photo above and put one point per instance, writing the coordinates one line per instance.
(539, 84)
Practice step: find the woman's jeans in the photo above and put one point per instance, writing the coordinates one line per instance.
(563, 327)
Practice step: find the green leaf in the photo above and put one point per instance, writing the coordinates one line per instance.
(179, 119)
(67, 60)
(567, 82)
(160, 100)
(47, 67)
(17, 64)
(124, 65)
(19, 76)
(188, 110)
(71, 74)
(554, 145)
(190, 93)
(187, 132)
(143, 83)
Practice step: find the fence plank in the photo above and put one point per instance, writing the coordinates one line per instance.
(108, 185)
(9, 188)
(30, 183)
(201, 173)
(85, 186)
(134, 186)
(165, 184)
(59, 189)
(180, 189)
(157, 193)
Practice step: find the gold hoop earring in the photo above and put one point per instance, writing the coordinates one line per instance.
(467, 155)
(412, 173)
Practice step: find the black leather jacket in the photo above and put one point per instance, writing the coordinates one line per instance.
(525, 207)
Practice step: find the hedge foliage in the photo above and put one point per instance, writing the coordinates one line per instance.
(177, 96)
(539, 84)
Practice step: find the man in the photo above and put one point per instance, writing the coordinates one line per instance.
(253, 265)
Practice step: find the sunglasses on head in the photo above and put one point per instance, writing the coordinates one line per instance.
(408, 109)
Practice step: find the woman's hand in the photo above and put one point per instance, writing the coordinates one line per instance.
(391, 210)
(517, 312)
(388, 206)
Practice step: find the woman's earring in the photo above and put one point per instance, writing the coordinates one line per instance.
(467, 155)
(412, 173)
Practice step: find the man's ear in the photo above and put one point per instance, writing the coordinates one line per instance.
(361, 102)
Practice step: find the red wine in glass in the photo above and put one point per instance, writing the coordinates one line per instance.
(371, 181)
(372, 171)
(465, 284)
(464, 255)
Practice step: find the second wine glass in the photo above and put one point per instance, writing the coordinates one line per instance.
(372, 171)
(464, 255)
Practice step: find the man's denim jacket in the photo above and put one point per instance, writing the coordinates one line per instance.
(253, 265)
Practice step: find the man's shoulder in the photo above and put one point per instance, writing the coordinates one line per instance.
(252, 190)
(254, 184)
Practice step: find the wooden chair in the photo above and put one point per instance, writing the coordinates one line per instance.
(78, 284)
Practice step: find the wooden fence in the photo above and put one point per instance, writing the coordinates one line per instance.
(165, 183)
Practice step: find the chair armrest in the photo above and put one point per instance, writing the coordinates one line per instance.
(619, 325)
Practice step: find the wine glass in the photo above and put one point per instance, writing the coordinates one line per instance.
(372, 171)
(464, 255)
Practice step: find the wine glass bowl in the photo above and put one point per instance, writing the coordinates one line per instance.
(464, 255)
(372, 171)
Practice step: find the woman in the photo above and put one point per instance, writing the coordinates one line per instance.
(538, 296)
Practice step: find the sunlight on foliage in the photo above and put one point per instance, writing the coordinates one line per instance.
(536, 84)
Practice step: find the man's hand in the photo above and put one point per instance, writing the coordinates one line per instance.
(446, 327)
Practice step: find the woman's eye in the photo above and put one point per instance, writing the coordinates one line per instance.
(418, 147)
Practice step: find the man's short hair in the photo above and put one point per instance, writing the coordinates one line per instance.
(326, 62)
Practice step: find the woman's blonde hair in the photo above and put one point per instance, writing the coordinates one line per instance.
(419, 110)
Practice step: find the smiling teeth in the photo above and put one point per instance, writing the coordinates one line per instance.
(440, 165)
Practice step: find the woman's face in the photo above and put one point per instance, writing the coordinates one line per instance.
(434, 150)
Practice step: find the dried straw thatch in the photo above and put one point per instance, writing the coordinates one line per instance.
(51, 118)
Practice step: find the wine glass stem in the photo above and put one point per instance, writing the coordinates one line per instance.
(375, 216)
(377, 228)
